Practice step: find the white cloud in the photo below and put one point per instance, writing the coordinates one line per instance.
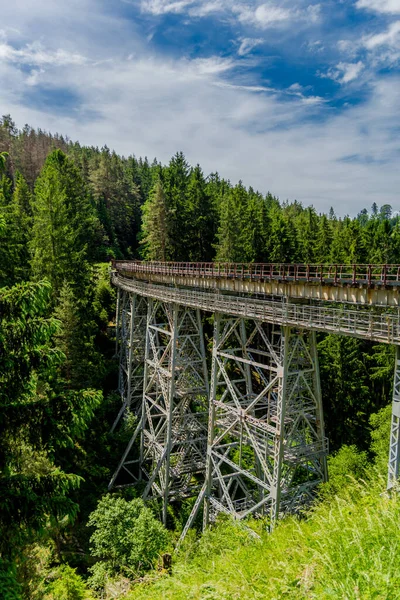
(206, 8)
(247, 45)
(270, 14)
(161, 7)
(212, 65)
(380, 6)
(265, 15)
(346, 72)
(36, 54)
(386, 38)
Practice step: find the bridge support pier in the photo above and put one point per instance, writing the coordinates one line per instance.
(173, 424)
(130, 342)
(394, 444)
(266, 448)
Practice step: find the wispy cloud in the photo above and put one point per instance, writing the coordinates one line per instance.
(265, 15)
(35, 54)
(380, 6)
(247, 45)
(204, 9)
(345, 72)
(390, 37)
(162, 7)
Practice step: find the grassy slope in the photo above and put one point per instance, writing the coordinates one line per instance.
(348, 549)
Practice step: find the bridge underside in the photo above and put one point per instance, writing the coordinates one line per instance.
(251, 442)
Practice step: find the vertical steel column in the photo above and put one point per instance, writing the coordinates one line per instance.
(320, 421)
(117, 320)
(211, 427)
(131, 316)
(170, 409)
(394, 447)
(279, 442)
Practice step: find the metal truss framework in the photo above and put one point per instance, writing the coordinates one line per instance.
(266, 445)
(394, 447)
(173, 423)
(130, 348)
(265, 450)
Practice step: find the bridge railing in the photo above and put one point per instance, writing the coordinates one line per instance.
(354, 275)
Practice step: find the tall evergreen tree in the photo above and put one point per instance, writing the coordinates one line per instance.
(175, 183)
(38, 419)
(155, 235)
(232, 242)
(63, 225)
(202, 218)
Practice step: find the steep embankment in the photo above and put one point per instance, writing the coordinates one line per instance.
(348, 549)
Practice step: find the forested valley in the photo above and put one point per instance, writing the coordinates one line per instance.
(66, 210)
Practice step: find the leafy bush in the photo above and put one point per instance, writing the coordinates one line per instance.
(345, 466)
(67, 585)
(380, 423)
(127, 537)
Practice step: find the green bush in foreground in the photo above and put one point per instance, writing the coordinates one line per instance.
(127, 538)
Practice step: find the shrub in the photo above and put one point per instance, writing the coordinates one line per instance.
(127, 538)
(67, 585)
(344, 466)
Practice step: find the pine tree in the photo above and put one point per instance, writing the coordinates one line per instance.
(307, 227)
(155, 235)
(38, 419)
(15, 234)
(232, 244)
(282, 238)
(256, 226)
(175, 184)
(63, 225)
(83, 365)
(201, 218)
(323, 240)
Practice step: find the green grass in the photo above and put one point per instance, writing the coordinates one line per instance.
(348, 548)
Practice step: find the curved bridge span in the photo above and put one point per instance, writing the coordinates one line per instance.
(239, 426)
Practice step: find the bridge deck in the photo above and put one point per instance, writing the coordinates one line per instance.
(365, 322)
(374, 285)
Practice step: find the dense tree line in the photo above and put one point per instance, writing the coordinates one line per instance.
(66, 208)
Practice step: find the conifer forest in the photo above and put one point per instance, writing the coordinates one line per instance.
(66, 210)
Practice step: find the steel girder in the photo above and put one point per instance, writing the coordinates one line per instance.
(130, 346)
(266, 448)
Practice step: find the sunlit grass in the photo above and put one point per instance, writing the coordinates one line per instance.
(348, 548)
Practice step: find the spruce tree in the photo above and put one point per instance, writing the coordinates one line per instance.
(63, 225)
(38, 419)
(202, 218)
(155, 235)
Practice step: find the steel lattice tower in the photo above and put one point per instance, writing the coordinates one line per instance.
(173, 424)
(130, 346)
(266, 445)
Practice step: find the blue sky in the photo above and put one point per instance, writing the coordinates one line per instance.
(300, 98)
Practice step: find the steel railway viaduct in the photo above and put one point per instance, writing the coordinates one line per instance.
(248, 437)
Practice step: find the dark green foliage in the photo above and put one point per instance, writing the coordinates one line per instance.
(37, 418)
(155, 229)
(63, 224)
